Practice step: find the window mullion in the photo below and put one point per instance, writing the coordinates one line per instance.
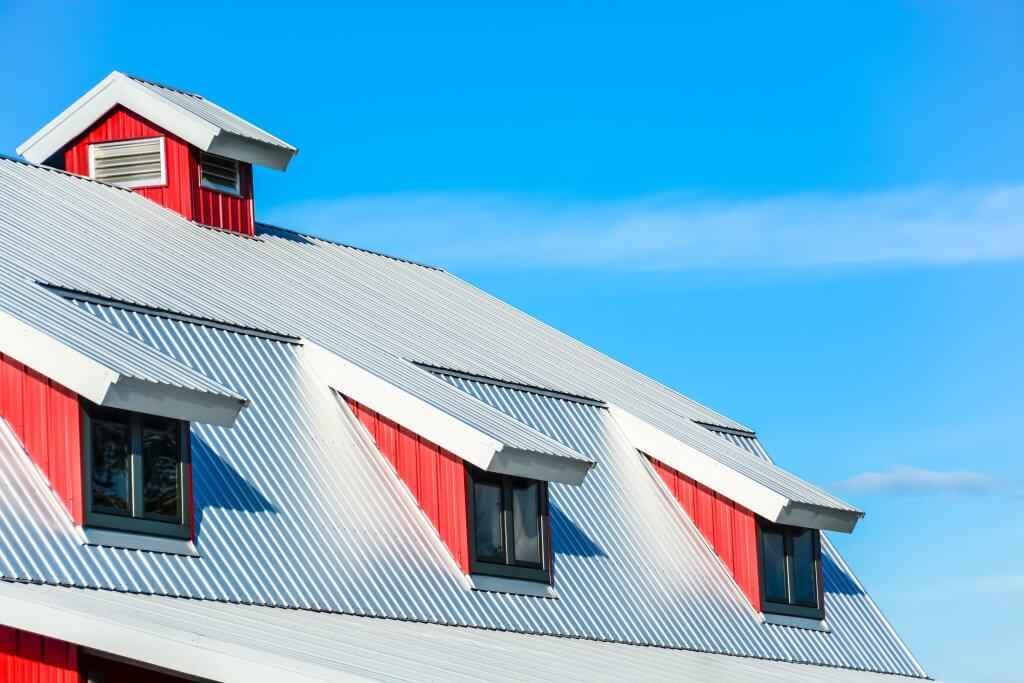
(506, 511)
(788, 553)
(136, 473)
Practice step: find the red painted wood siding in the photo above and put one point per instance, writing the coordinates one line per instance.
(227, 211)
(46, 417)
(730, 528)
(436, 477)
(121, 124)
(182, 192)
(28, 658)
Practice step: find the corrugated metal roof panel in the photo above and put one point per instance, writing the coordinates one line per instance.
(211, 113)
(40, 309)
(292, 511)
(380, 312)
(285, 645)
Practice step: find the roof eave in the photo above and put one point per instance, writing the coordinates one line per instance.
(118, 89)
(729, 482)
(108, 387)
(439, 427)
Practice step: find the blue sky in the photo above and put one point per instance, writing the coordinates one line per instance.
(809, 217)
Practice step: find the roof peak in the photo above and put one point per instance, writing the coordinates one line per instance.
(191, 117)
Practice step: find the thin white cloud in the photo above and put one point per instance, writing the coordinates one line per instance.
(678, 231)
(902, 479)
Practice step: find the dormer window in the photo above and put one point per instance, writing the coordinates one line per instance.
(219, 173)
(136, 472)
(508, 530)
(129, 163)
(790, 570)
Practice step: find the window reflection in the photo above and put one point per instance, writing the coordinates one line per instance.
(774, 545)
(526, 522)
(805, 588)
(111, 453)
(487, 522)
(161, 471)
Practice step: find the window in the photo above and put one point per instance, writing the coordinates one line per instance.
(791, 570)
(218, 173)
(508, 526)
(136, 472)
(128, 163)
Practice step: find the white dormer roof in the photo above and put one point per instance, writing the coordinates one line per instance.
(191, 117)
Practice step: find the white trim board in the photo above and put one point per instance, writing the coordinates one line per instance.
(123, 634)
(119, 89)
(439, 427)
(107, 387)
(731, 483)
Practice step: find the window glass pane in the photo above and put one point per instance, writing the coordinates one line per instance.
(526, 522)
(161, 471)
(805, 589)
(773, 550)
(110, 441)
(490, 546)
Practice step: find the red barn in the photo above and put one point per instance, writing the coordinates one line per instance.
(247, 453)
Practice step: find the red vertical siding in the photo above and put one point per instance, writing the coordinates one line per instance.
(436, 477)
(730, 528)
(45, 416)
(182, 192)
(28, 658)
(122, 124)
(227, 211)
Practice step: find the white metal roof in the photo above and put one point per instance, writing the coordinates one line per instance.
(106, 366)
(243, 643)
(191, 117)
(294, 509)
(381, 314)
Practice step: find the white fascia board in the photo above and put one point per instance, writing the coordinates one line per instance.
(732, 484)
(120, 632)
(191, 405)
(439, 427)
(49, 357)
(113, 90)
(105, 386)
(255, 152)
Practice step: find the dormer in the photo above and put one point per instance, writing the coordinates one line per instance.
(173, 147)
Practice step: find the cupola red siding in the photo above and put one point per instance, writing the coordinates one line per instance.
(436, 477)
(182, 193)
(46, 418)
(729, 528)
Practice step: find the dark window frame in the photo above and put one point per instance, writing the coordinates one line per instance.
(511, 569)
(791, 608)
(137, 520)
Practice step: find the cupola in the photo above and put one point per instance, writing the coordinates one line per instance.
(176, 148)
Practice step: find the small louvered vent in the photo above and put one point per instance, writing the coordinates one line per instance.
(218, 173)
(128, 163)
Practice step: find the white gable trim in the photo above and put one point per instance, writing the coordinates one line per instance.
(118, 89)
(730, 483)
(437, 426)
(105, 386)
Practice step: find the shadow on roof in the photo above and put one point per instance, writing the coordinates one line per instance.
(567, 538)
(219, 484)
(837, 580)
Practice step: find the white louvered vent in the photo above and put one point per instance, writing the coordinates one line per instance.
(218, 173)
(128, 163)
